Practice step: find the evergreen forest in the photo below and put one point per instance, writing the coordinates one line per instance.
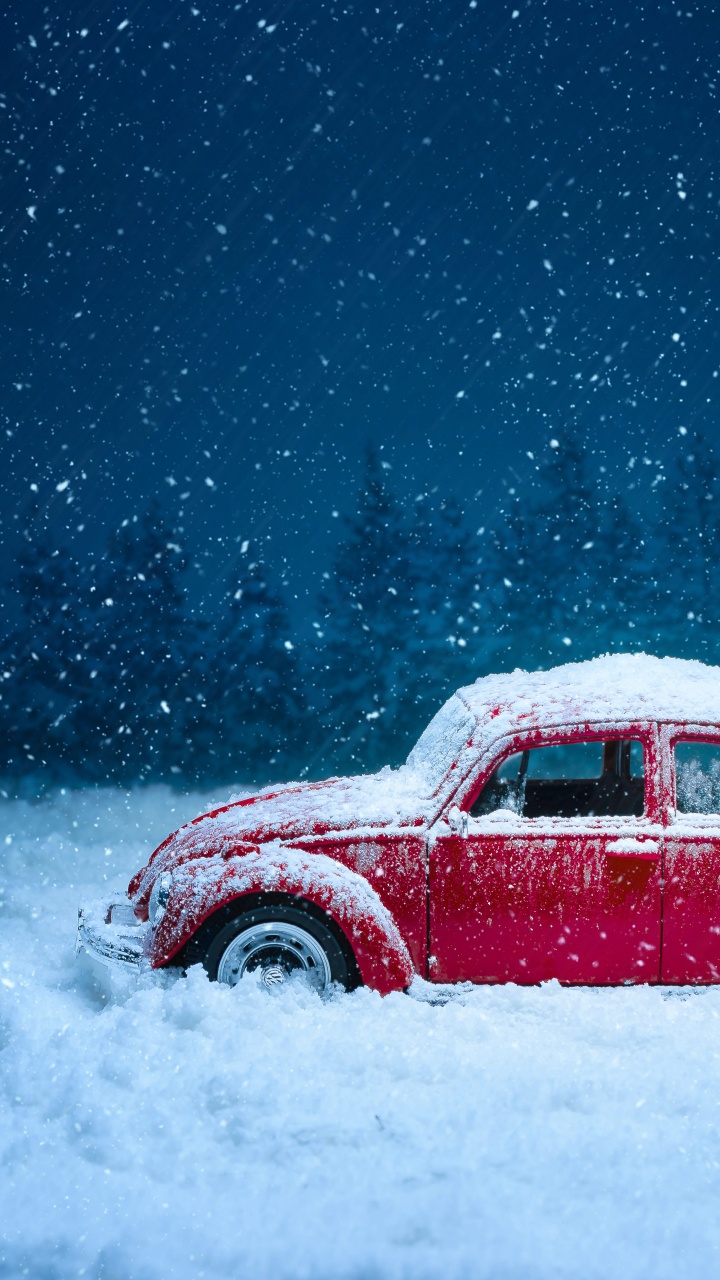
(110, 675)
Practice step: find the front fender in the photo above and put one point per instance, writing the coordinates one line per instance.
(202, 886)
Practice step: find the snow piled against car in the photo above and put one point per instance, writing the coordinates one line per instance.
(173, 1127)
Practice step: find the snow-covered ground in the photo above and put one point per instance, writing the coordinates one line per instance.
(171, 1128)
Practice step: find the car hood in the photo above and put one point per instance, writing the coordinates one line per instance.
(391, 798)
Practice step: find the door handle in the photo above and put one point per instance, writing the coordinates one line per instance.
(629, 847)
(458, 821)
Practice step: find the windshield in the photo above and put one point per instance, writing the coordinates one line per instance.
(443, 742)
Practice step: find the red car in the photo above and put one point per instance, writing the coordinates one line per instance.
(561, 824)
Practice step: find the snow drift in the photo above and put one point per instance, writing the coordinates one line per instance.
(172, 1128)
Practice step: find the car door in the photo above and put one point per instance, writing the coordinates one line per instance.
(691, 914)
(554, 872)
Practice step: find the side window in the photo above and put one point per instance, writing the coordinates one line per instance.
(697, 777)
(569, 780)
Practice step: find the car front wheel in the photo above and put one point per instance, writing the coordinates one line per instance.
(279, 940)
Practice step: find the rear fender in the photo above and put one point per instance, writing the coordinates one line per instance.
(200, 887)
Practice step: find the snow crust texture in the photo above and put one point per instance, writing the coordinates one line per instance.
(168, 1128)
(389, 798)
(616, 687)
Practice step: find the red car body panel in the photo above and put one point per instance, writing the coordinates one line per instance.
(527, 909)
(576, 899)
(201, 886)
(691, 923)
(691, 907)
(396, 865)
(509, 898)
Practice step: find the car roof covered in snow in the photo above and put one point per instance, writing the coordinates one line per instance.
(620, 687)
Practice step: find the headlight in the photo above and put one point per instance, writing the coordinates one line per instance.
(159, 897)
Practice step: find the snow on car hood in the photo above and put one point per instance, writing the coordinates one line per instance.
(391, 798)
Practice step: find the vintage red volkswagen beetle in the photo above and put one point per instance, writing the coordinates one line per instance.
(561, 824)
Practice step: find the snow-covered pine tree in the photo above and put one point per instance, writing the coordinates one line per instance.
(451, 618)
(689, 541)
(134, 720)
(43, 666)
(624, 589)
(517, 622)
(365, 680)
(253, 726)
(565, 566)
(568, 517)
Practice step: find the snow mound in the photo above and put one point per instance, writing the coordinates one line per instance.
(163, 1128)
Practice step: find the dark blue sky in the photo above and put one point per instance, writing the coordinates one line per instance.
(239, 241)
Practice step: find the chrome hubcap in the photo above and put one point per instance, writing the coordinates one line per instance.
(278, 950)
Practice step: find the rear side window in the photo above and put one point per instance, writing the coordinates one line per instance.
(569, 780)
(697, 777)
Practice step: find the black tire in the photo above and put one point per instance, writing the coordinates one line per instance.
(255, 915)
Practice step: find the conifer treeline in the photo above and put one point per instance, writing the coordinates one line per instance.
(111, 676)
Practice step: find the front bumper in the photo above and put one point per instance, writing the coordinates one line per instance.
(109, 931)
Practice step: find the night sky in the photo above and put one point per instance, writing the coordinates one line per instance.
(241, 241)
